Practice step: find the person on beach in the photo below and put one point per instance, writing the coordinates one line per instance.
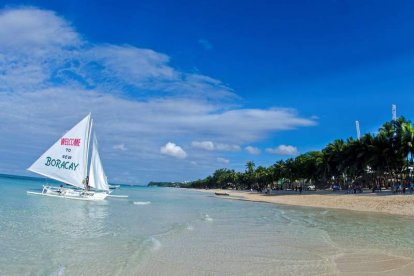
(395, 188)
(61, 189)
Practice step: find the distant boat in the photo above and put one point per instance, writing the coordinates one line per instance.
(67, 161)
(221, 194)
(113, 187)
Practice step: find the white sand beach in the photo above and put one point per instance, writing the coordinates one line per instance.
(384, 202)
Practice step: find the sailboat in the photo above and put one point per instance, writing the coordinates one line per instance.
(67, 161)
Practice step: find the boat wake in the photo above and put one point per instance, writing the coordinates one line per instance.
(206, 217)
(142, 202)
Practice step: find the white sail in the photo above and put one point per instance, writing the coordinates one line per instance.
(67, 159)
(97, 177)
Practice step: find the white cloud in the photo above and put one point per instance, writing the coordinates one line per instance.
(210, 146)
(223, 160)
(227, 147)
(136, 66)
(283, 150)
(252, 150)
(120, 147)
(148, 72)
(249, 124)
(34, 30)
(172, 149)
(206, 145)
(51, 77)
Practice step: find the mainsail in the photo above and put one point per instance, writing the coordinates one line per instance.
(97, 177)
(67, 159)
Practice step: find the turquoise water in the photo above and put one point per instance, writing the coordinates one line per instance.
(160, 231)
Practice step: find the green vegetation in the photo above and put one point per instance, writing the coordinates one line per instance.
(375, 160)
(165, 184)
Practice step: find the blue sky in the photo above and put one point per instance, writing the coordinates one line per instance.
(181, 88)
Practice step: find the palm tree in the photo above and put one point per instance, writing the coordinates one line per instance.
(308, 166)
(250, 173)
(334, 157)
(373, 157)
(408, 141)
(397, 156)
(279, 172)
(262, 177)
(290, 171)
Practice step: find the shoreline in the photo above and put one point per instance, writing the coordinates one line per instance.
(384, 202)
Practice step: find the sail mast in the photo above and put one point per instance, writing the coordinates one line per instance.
(85, 169)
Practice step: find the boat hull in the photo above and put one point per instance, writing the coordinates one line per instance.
(70, 194)
(222, 194)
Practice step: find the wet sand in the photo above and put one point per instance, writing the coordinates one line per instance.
(352, 262)
(384, 202)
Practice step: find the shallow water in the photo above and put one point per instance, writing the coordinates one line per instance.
(160, 231)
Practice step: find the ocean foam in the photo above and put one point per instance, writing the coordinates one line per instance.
(59, 272)
(142, 202)
(153, 244)
(206, 217)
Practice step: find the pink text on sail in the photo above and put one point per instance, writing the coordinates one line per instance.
(70, 142)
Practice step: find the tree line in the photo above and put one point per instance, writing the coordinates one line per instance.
(374, 160)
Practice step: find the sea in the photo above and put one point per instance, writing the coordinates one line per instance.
(171, 231)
